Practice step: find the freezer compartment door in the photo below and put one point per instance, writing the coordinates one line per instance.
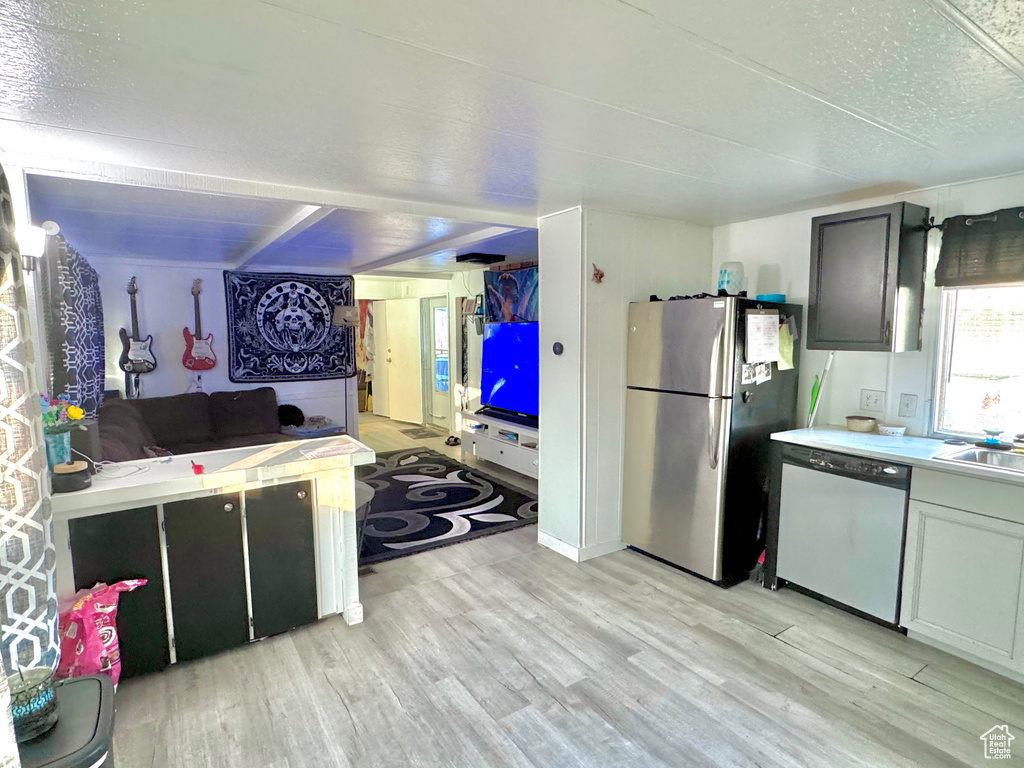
(682, 346)
(673, 487)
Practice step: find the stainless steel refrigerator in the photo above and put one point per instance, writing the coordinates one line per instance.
(697, 457)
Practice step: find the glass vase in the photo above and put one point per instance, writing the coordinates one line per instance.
(58, 449)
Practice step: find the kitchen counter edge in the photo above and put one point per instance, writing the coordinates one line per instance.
(920, 452)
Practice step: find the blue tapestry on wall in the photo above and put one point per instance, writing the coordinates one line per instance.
(280, 327)
(80, 374)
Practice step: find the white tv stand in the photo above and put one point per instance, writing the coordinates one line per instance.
(510, 445)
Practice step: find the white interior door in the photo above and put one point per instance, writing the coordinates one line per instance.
(381, 404)
(404, 361)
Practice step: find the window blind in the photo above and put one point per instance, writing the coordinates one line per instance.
(986, 249)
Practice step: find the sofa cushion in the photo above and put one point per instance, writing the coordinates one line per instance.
(246, 412)
(177, 419)
(123, 433)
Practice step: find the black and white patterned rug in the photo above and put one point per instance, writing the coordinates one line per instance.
(422, 500)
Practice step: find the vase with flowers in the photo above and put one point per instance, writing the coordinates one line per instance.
(60, 416)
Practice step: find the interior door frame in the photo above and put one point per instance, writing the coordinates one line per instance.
(381, 400)
(427, 357)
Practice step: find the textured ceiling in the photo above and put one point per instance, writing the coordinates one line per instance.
(705, 111)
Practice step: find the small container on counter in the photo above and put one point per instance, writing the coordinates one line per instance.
(861, 423)
(33, 702)
(71, 476)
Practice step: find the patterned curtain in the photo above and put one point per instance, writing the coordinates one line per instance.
(9, 757)
(73, 313)
(28, 604)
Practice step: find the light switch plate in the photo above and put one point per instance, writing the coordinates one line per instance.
(872, 400)
(908, 406)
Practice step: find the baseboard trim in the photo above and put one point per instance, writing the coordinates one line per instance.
(559, 546)
(578, 554)
(992, 666)
(353, 614)
(600, 550)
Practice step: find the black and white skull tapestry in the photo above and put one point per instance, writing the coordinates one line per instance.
(280, 327)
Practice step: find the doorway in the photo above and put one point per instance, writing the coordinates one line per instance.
(397, 387)
(436, 378)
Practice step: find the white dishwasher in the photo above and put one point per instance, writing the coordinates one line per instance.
(842, 523)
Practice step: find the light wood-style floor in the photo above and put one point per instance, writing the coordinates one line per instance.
(497, 652)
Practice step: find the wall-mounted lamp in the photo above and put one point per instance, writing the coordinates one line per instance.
(32, 242)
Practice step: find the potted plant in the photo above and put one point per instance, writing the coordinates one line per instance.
(60, 416)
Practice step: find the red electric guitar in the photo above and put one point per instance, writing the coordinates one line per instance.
(198, 350)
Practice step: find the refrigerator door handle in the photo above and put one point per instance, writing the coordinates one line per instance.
(714, 430)
(716, 364)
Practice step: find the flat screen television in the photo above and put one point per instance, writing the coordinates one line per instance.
(511, 368)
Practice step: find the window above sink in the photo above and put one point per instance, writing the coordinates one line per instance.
(980, 373)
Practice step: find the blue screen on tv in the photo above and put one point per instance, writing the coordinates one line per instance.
(511, 367)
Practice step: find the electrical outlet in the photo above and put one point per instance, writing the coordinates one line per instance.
(872, 400)
(908, 406)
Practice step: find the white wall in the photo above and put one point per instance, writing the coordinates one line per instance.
(775, 252)
(639, 256)
(165, 308)
(561, 477)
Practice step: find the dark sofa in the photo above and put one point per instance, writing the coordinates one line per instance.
(135, 429)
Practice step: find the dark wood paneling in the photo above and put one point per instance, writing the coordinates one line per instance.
(207, 573)
(282, 559)
(126, 545)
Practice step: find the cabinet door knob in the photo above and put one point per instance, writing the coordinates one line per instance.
(557, 348)
(301, 494)
(229, 507)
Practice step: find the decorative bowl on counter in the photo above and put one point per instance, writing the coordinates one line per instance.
(891, 431)
(861, 423)
(33, 702)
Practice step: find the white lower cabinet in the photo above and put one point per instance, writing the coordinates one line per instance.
(963, 582)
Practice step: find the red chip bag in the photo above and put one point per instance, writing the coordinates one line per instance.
(88, 632)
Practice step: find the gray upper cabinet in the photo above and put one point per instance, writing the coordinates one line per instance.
(867, 279)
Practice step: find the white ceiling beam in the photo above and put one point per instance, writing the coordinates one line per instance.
(299, 220)
(477, 237)
(218, 185)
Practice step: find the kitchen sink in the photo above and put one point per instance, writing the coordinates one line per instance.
(1004, 460)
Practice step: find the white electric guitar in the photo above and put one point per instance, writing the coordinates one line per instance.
(136, 352)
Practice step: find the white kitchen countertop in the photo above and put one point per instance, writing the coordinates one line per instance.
(139, 483)
(914, 451)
